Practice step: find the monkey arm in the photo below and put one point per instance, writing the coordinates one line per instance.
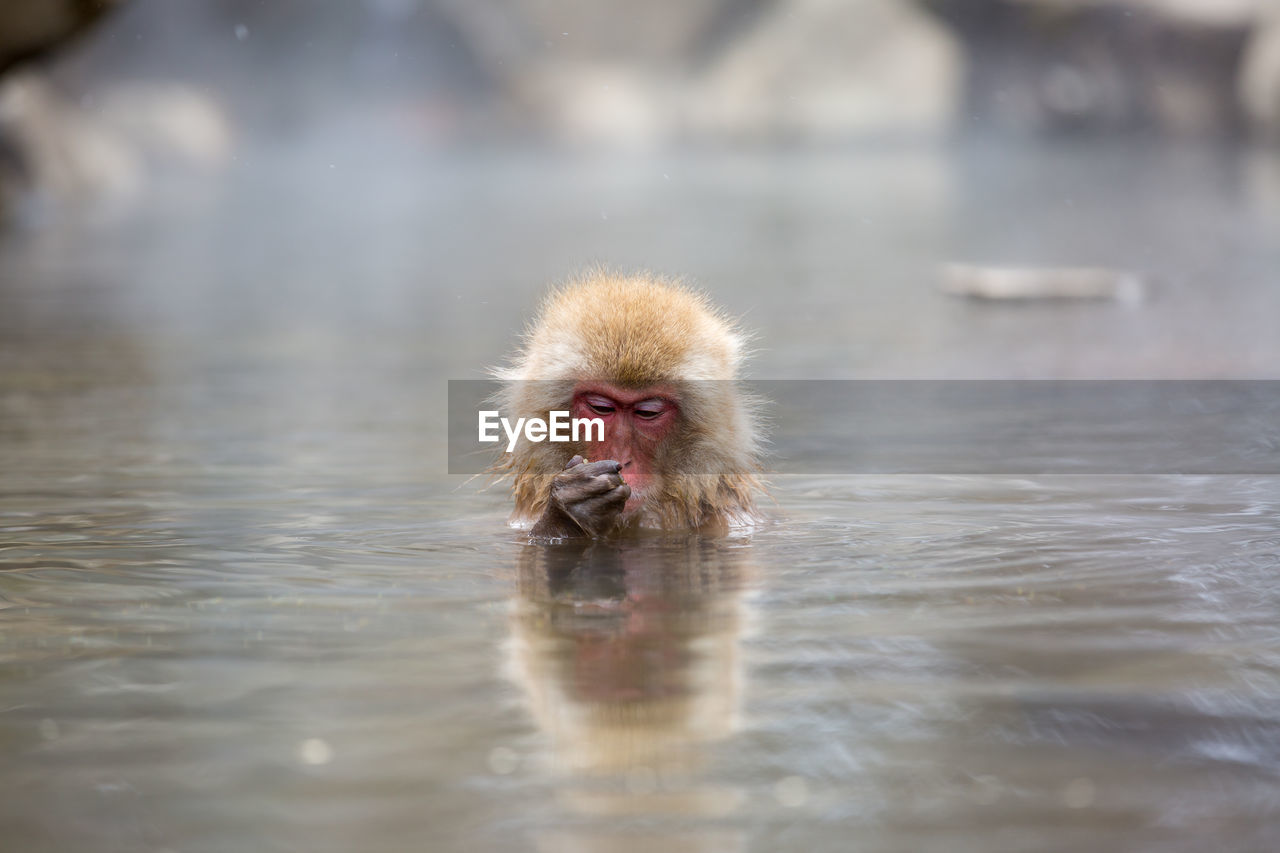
(586, 499)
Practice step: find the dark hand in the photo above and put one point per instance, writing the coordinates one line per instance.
(586, 500)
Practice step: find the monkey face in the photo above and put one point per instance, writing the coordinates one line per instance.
(649, 366)
(636, 422)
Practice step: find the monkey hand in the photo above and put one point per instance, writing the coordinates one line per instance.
(586, 500)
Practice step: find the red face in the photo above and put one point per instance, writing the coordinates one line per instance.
(635, 424)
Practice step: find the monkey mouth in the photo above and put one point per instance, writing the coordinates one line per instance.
(634, 504)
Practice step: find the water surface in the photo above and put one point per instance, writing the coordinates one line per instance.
(243, 607)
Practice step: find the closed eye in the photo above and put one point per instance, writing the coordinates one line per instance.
(600, 405)
(649, 410)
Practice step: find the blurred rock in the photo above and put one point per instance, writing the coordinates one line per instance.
(62, 147)
(166, 121)
(55, 151)
(61, 152)
(811, 69)
(1138, 66)
(1260, 76)
(32, 29)
(1041, 283)
(819, 69)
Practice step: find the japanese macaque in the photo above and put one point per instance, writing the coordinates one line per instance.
(656, 363)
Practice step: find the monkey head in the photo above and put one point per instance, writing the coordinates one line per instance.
(656, 363)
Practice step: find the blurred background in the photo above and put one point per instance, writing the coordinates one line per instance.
(814, 164)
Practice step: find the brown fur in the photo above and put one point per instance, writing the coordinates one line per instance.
(638, 331)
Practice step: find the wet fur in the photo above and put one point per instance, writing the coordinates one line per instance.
(637, 331)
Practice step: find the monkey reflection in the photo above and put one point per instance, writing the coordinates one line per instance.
(628, 655)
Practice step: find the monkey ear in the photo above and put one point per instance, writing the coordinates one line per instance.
(576, 460)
